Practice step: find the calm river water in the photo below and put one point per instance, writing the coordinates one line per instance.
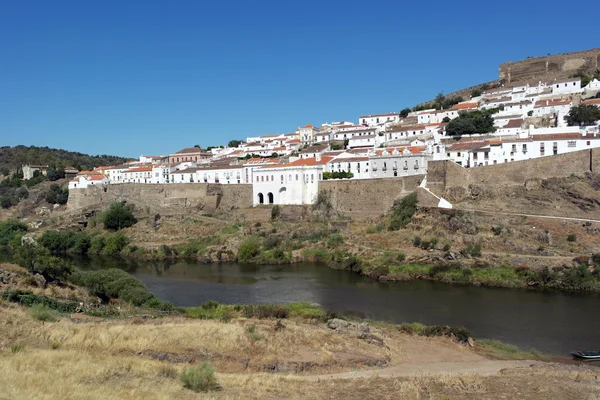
(555, 323)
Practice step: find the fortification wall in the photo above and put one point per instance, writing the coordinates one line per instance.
(207, 198)
(369, 198)
(443, 176)
(547, 68)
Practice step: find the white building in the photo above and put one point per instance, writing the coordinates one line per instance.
(141, 174)
(293, 183)
(567, 87)
(83, 180)
(350, 132)
(358, 166)
(307, 134)
(379, 119)
(593, 86)
(364, 141)
(389, 163)
(225, 174)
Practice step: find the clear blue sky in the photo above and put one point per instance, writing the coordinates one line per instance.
(151, 77)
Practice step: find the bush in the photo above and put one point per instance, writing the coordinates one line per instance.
(43, 313)
(335, 240)
(471, 250)
(38, 260)
(113, 282)
(403, 211)
(249, 249)
(571, 238)
(118, 216)
(264, 311)
(114, 243)
(97, 244)
(57, 242)
(27, 298)
(375, 228)
(275, 212)
(417, 241)
(11, 229)
(57, 195)
(199, 378)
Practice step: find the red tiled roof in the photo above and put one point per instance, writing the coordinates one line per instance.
(514, 123)
(550, 103)
(462, 106)
(139, 169)
(591, 101)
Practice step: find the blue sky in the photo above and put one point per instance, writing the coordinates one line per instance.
(151, 77)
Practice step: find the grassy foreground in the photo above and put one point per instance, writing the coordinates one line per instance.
(256, 352)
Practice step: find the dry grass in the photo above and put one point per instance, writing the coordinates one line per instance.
(103, 361)
(230, 345)
(69, 374)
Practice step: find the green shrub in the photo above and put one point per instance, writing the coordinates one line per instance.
(417, 241)
(249, 249)
(113, 282)
(27, 298)
(375, 228)
(118, 216)
(335, 240)
(42, 313)
(114, 243)
(275, 212)
(38, 260)
(81, 243)
(199, 378)
(571, 238)
(57, 242)
(57, 195)
(403, 211)
(9, 230)
(97, 244)
(263, 311)
(471, 250)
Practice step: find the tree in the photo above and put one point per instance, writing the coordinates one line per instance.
(476, 92)
(468, 123)
(54, 174)
(584, 114)
(56, 195)
(37, 260)
(234, 143)
(446, 119)
(404, 113)
(118, 216)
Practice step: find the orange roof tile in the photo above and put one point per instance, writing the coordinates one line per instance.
(462, 106)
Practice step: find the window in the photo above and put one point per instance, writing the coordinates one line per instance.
(416, 164)
(296, 176)
(312, 178)
(524, 148)
(257, 179)
(571, 143)
(272, 178)
(587, 143)
(514, 148)
(262, 178)
(281, 178)
(458, 154)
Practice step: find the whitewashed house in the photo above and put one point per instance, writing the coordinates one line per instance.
(307, 134)
(82, 181)
(398, 162)
(569, 86)
(364, 141)
(293, 183)
(358, 166)
(161, 173)
(140, 174)
(593, 86)
(225, 174)
(379, 119)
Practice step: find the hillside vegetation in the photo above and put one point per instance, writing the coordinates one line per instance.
(14, 157)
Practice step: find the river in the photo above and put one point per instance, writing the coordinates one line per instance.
(555, 323)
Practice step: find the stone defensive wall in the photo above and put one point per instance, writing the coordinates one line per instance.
(359, 199)
(445, 176)
(547, 68)
(368, 199)
(195, 197)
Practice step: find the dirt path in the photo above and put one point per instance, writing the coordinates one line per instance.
(482, 367)
(508, 214)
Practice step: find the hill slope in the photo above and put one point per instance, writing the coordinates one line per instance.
(14, 157)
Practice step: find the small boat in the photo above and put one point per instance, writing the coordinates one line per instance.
(588, 355)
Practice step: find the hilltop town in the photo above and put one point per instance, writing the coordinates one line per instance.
(506, 123)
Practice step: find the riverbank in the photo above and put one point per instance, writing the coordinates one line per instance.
(257, 351)
(445, 246)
